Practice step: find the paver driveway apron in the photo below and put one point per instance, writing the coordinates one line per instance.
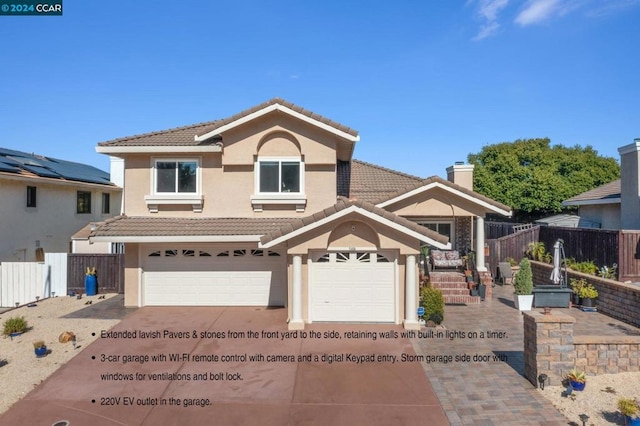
(341, 387)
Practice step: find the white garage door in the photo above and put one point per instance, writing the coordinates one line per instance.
(214, 277)
(353, 287)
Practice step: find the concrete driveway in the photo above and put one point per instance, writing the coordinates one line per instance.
(226, 379)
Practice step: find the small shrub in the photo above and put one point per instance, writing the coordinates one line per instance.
(610, 273)
(576, 285)
(523, 282)
(586, 267)
(38, 344)
(436, 318)
(536, 251)
(432, 300)
(15, 325)
(577, 376)
(588, 292)
(629, 407)
(511, 261)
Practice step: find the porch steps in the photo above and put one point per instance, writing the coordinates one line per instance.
(454, 288)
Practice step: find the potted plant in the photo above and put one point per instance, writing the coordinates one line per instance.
(39, 348)
(630, 408)
(576, 285)
(15, 326)
(523, 285)
(577, 379)
(588, 294)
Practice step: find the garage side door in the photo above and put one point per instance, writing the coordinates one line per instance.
(353, 287)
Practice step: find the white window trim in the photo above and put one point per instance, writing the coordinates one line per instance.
(176, 198)
(258, 199)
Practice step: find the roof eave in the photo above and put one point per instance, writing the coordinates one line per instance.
(599, 201)
(351, 209)
(177, 239)
(408, 194)
(281, 108)
(159, 149)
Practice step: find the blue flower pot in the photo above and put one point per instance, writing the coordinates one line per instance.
(40, 352)
(577, 386)
(633, 422)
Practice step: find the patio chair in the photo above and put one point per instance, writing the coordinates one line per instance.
(505, 274)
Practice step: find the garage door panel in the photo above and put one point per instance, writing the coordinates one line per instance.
(215, 281)
(353, 292)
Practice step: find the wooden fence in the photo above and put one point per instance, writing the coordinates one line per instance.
(629, 256)
(583, 244)
(109, 271)
(603, 247)
(514, 246)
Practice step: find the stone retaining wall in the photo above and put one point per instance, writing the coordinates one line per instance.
(551, 348)
(615, 299)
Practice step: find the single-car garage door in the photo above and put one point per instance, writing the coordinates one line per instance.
(353, 287)
(214, 277)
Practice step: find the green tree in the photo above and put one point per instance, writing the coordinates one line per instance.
(533, 177)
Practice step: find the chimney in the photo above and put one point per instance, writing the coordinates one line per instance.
(461, 174)
(630, 185)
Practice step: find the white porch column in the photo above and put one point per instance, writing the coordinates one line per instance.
(480, 261)
(296, 322)
(410, 294)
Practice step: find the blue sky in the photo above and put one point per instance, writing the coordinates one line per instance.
(424, 82)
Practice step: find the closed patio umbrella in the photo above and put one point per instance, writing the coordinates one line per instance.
(556, 274)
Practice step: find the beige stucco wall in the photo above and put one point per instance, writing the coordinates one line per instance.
(351, 231)
(52, 222)
(607, 215)
(435, 202)
(131, 274)
(83, 246)
(227, 179)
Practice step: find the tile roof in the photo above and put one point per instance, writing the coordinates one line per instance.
(368, 182)
(285, 103)
(138, 226)
(179, 136)
(344, 203)
(185, 136)
(375, 184)
(609, 191)
(22, 163)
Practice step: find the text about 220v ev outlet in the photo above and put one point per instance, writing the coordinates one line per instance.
(217, 358)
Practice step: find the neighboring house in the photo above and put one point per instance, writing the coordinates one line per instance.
(267, 207)
(567, 221)
(616, 204)
(46, 200)
(600, 205)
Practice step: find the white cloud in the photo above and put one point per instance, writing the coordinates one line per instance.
(488, 11)
(537, 11)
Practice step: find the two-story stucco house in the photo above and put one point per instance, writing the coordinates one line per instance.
(46, 200)
(268, 207)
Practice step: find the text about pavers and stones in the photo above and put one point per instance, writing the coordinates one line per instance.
(221, 367)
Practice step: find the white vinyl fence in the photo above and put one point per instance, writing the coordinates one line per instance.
(21, 282)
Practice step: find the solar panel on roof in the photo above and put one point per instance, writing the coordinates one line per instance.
(4, 167)
(41, 171)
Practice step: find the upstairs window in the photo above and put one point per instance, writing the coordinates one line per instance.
(83, 202)
(176, 177)
(106, 203)
(279, 176)
(31, 196)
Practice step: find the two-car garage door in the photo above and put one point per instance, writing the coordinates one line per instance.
(193, 276)
(353, 287)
